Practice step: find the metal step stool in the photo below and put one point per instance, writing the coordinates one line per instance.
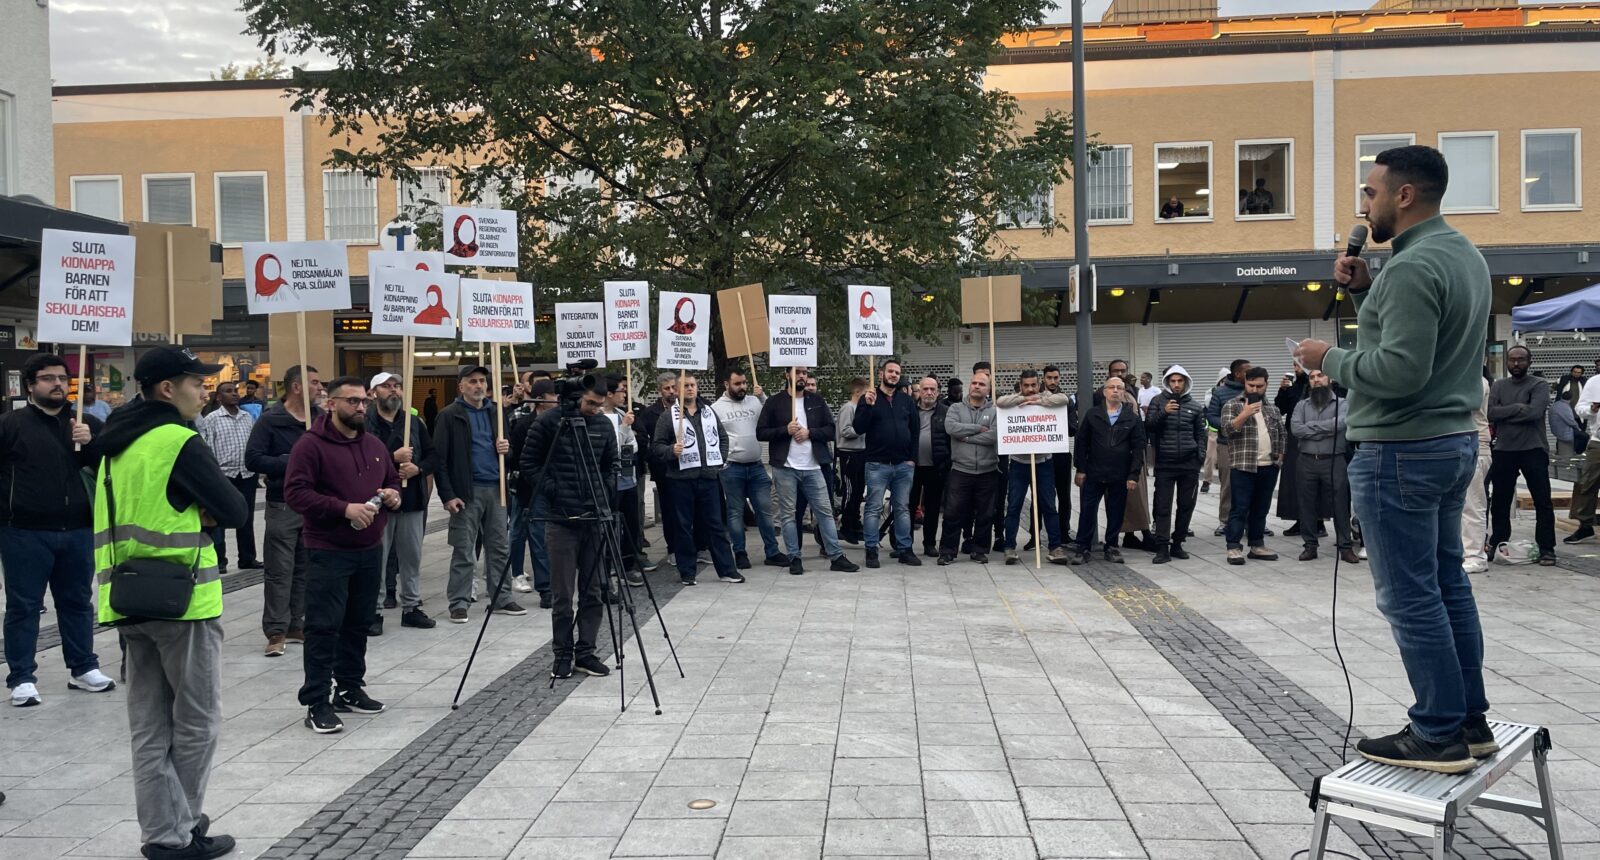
(1427, 803)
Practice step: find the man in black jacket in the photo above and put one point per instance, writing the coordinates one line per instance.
(888, 418)
(1061, 461)
(692, 452)
(1110, 447)
(645, 428)
(46, 531)
(797, 442)
(933, 462)
(283, 610)
(468, 480)
(527, 507)
(1176, 428)
(414, 462)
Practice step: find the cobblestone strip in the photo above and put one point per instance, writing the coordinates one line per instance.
(390, 810)
(1295, 731)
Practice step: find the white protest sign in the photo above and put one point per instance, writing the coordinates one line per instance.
(281, 277)
(1033, 430)
(414, 302)
(627, 320)
(496, 311)
(793, 321)
(432, 261)
(480, 237)
(86, 288)
(683, 331)
(871, 326)
(580, 332)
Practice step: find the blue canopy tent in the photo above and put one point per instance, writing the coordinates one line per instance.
(1571, 312)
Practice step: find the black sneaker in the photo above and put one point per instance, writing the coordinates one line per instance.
(741, 560)
(321, 719)
(1479, 737)
(591, 665)
(1028, 547)
(910, 558)
(544, 600)
(686, 580)
(201, 847)
(872, 558)
(946, 558)
(389, 601)
(562, 668)
(734, 577)
(779, 560)
(796, 567)
(510, 608)
(1205, 487)
(980, 557)
(843, 565)
(1178, 551)
(634, 578)
(1219, 531)
(930, 551)
(1113, 555)
(1163, 555)
(357, 702)
(415, 617)
(1582, 534)
(376, 627)
(1404, 749)
(649, 566)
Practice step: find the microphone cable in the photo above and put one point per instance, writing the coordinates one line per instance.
(1333, 612)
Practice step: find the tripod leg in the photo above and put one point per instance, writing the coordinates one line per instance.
(614, 625)
(494, 600)
(614, 549)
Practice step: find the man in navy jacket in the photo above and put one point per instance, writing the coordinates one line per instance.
(888, 417)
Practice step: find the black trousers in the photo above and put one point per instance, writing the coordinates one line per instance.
(574, 572)
(927, 492)
(341, 591)
(997, 514)
(1063, 467)
(968, 499)
(244, 536)
(1185, 487)
(1534, 466)
(1115, 494)
(853, 467)
(632, 526)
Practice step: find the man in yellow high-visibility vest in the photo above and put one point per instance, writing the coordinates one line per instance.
(165, 491)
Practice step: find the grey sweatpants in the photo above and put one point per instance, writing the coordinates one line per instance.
(404, 533)
(284, 591)
(174, 719)
(483, 517)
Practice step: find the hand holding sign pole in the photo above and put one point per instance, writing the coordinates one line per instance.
(85, 294)
(497, 312)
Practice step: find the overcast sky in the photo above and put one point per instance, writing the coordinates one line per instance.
(125, 41)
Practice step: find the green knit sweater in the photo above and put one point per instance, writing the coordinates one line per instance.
(1417, 369)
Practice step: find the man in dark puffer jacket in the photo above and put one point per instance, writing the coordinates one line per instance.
(1176, 427)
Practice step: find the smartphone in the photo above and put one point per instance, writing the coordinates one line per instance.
(1254, 398)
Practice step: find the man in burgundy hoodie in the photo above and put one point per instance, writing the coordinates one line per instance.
(336, 471)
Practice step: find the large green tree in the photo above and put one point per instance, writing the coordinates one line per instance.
(700, 145)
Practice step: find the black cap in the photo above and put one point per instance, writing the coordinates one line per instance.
(469, 369)
(165, 362)
(543, 388)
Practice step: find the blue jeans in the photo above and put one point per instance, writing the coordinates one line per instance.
(1252, 500)
(813, 485)
(742, 481)
(1409, 497)
(896, 478)
(63, 561)
(1019, 480)
(530, 535)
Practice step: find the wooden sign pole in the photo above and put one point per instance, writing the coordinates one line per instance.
(750, 356)
(172, 311)
(1038, 545)
(682, 374)
(407, 343)
(794, 394)
(305, 375)
(994, 365)
(83, 366)
(629, 364)
(872, 371)
(499, 421)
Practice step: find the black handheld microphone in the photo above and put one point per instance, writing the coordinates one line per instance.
(1358, 240)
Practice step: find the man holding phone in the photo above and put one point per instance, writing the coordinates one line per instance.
(1253, 429)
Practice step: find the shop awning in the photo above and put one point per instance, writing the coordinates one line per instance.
(1579, 311)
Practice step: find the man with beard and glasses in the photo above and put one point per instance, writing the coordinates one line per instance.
(414, 463)
(1321, 476)
(342, 480)
(1517, 407)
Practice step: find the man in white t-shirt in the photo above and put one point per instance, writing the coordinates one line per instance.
(1585, 489)
(797, 440)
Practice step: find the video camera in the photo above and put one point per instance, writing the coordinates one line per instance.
(578, 380)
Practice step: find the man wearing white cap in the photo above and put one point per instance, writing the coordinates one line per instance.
(414, 462)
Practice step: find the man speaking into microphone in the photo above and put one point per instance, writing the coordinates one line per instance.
(1414, 378)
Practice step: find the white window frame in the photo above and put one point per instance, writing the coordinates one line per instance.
(520, 185)
(1494, 177)
(1106, 222)
(449, 187)
(10, 162)
(1005, 223)
(1288, 180)
(377, 216)
(1361, 175)
(1577, 171)
(266, 203)
(144, 192)
(72, 185)
(1211, 181)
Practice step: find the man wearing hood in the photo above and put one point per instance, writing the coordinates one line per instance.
(336, 473)
(1517, 407)
(156, 473)
(1230, 389)
(415, 463)
(1176, 428)
(283, 609)
(1322, 480)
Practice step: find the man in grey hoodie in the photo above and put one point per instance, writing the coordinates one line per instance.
(1517, 407)
(745, 476)
(974, 459)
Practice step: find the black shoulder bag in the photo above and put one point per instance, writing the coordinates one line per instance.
(147, 588)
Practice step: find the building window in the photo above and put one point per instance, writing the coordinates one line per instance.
(1266, 178)
(241, 208)
(1471, 157)
(557, 186)
(1031, 213)
(169, 199)
(100, 196)
(1183, 181)
(349, 207)
(1110, 185)
(8, 144)
(1367, 149)
(1551, 171)
(428, 193)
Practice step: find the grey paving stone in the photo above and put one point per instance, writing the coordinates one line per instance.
(789, 757)
(770, 848)
(981, 848)
(625, 759)
(672, 801)
(876, 801)
(963, 758)
(785, 785)
(670, 838)
(1180, 821)
(1070, 802)
(701, 771)
(899, 837)
(1264, 807)
(799, 733)
(591, 818)
(958, 734)
(878, 744)
(583, 787)
(1190, 849)
(476, 838)
(1082, 839)
(564, 848)
(714, 746)
(877, 771)
(502, 803)
(1056, 772)
(778, 818)
(976, 818)
(969, 785)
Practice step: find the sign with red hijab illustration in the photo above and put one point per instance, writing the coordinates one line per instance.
(871, 326)
(683, 335)
(480, 237)
(416, 302)
(281, 277)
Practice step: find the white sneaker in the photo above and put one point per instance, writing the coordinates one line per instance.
(1362, 554)
(1475, 565)
(24, 696)
(521, 584)
(92, 681)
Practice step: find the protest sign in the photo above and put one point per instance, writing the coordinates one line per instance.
(414, 302)
(432, 261)
(480, 237)
(793, 321)
(580, 332)
(744, 320)
(296, 276)
(496, 311)
(1033, 429)
(86, 288)
(177, 289)
(871, 326)
(683, 336)
(627, 320)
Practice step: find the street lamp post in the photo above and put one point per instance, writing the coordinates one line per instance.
(1080, 217)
